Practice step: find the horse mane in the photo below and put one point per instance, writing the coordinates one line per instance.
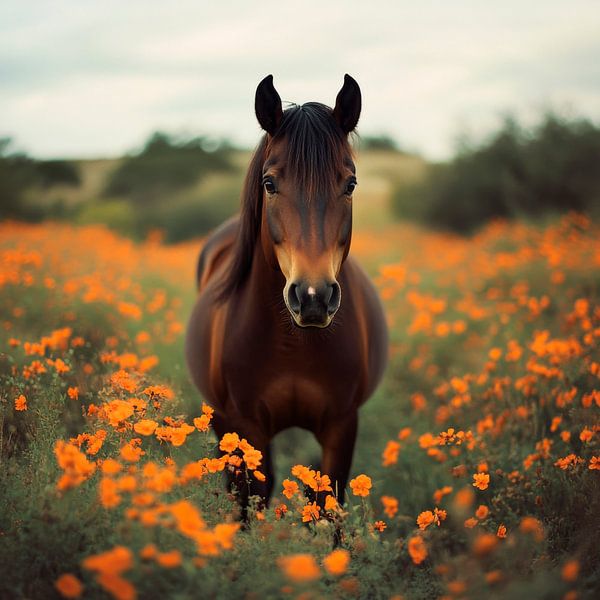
(315, 148)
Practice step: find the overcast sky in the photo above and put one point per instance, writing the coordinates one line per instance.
(86, 79)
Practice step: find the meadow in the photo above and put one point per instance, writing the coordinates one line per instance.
(477, 469)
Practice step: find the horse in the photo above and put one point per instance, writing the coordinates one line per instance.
(287, 329)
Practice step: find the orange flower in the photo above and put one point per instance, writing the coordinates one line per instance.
(390, 506)
(594, 463)
(169, 560)
(148, 552)
(111, 466)
(118, 411)
(484, 544)
(229, 442)
(439, 515)
(120, 588)
(207, 410)
(68, 586)
(481, 481)
(417, 549)
(224, 534)
(471, 522)
(131, 451)
(252, 458)
(533, 526)
(114, 561)
(361, 485)
(482, 512)
(330, 502)
(59, 365)
(570, 571)
(127, 483)
(390, 453)
(108, 491)
(425, 519)
(77, 468)
(336, 563)
(73, 393)
(439, 494)
(501, 533)
(304, 474)
(493, 577)
(310, 512)
(299, 567)
(289, 488)
(404, 433)
(260, 476)
(202, 423)
(145, 427)
(321, 483)
(188, 520)
(21, 403)
(158, 391)
(379, 526)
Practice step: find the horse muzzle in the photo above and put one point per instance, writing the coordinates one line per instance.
(312, 305)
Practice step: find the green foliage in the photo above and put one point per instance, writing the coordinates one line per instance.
(165, 164)
(552, 169)
(378, 142)
(20, 173)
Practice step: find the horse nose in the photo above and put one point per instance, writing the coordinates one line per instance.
(311, 303)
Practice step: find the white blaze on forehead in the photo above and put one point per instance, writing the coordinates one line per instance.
(311, 291)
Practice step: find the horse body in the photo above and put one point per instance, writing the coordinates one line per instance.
(263, 371)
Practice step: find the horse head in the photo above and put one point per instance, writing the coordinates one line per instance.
(307, 178)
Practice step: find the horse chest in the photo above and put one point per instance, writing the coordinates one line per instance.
(291, 382)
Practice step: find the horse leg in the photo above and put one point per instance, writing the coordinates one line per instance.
(243, 480)
(337, 440)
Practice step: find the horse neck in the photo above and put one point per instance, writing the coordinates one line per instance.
(265, 283)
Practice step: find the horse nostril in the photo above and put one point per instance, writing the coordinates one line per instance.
(333, 303)
(293, 298)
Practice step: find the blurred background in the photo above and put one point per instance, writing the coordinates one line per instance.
(140, 115)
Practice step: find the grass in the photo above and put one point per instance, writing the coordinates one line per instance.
(494, 372)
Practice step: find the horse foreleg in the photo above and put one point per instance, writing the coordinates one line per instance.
(243, 481)
(337, 442)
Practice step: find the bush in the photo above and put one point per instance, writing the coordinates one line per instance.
(552, 169)
(378, 142)
(166, 164)
(191, 216)
(20, 173)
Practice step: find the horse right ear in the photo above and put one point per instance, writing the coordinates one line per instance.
(267, 105)
(348, 105)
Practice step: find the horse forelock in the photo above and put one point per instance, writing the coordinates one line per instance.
(315, 148)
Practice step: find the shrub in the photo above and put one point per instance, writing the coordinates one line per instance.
(166, 164)
(552, 169)
(20, 173)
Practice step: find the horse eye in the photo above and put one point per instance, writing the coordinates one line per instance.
(350, 188)
(269, 186)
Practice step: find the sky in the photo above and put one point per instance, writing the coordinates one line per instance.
(94, 79)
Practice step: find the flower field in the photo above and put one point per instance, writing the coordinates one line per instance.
(477, 469)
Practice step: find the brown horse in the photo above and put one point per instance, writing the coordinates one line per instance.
(287, 329)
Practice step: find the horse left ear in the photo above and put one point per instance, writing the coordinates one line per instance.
(267, 105)
(348, 104)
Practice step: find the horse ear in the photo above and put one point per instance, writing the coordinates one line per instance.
(267, 105)
(348, 105)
